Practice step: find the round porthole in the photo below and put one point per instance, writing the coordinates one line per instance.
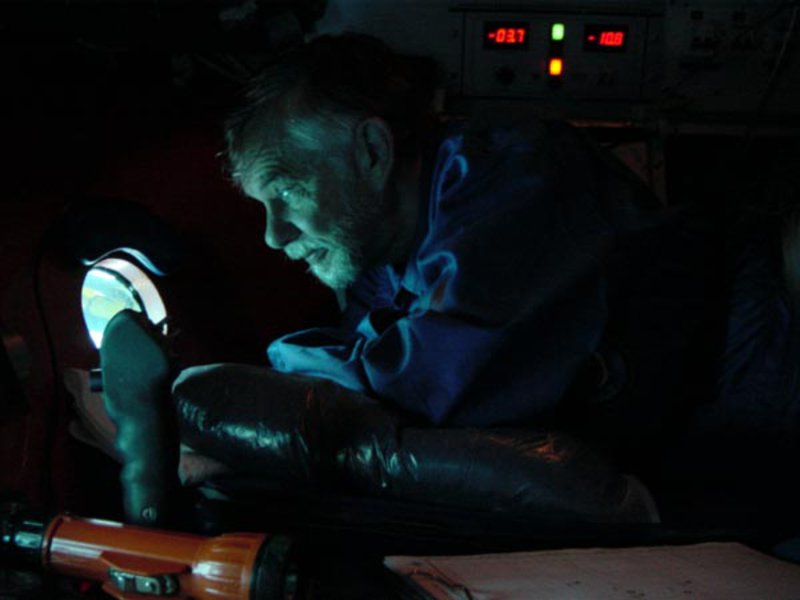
(112, 285)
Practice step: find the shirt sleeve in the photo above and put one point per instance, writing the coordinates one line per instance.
(505, 299)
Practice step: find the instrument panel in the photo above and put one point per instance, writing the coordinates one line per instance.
(704, 61)
(544, 55)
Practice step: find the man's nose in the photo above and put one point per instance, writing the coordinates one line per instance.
(279, 232)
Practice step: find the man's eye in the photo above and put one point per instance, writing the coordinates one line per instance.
(290, 195)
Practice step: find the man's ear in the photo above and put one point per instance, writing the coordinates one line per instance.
(374, 151)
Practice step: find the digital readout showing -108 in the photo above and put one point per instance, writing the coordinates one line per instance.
(605, 38)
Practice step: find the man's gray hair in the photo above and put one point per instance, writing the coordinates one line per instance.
(338, 79)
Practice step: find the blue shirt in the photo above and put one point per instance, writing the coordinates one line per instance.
(506, 293)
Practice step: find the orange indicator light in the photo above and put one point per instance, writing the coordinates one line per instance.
(556, 67)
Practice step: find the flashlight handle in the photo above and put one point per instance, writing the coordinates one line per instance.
(136, 563)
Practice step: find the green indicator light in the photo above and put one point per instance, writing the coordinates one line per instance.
(557, 32)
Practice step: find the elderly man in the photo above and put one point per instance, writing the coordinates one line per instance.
(481, 262)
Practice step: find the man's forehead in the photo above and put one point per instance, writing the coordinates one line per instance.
(288, 147)
(265, 162)
(256, 174)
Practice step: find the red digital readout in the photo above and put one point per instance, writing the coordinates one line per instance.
(605, 37)
(506, 35)
(613, 39)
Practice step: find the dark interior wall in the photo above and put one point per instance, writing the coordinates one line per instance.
(89, 111)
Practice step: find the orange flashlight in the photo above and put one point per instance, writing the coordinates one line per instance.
(136, 562)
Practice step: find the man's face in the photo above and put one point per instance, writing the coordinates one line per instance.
(324, 216)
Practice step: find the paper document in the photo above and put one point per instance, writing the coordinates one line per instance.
(710, 571)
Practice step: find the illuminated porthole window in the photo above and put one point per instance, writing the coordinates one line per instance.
(112, 285)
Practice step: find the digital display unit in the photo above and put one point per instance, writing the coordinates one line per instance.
(505, 35)
(605, 38)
